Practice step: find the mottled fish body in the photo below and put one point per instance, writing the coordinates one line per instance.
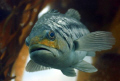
(61, 41)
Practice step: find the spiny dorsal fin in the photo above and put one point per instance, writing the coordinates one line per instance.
(73, 13)
(32, 67)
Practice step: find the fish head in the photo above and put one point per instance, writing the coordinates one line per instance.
(46, 46)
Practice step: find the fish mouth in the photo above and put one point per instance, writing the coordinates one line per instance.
(35, 48)
(42, 49)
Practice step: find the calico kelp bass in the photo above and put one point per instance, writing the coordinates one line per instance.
(61, 41)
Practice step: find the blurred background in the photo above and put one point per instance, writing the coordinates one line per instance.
(17, 18)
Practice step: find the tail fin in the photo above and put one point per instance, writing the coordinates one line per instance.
(95, 41)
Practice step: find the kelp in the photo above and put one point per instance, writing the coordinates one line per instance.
(12, 36)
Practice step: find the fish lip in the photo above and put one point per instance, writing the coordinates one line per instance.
(38, 47)
(53, 51)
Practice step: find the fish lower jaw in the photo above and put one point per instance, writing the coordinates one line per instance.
(38, 49)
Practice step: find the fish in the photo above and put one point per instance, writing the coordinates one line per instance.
(61, 41)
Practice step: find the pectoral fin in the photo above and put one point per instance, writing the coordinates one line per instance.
(85, 67)
(95, 41)
(32, 66)
(69, 72)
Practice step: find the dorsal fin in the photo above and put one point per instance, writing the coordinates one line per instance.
(73, 13)
(53, 11)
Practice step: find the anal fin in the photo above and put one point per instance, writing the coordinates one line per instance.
(90, 53)
(69, 72)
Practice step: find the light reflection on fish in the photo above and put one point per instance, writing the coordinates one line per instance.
(61, 41)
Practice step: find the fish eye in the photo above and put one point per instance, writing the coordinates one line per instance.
(51, 35)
